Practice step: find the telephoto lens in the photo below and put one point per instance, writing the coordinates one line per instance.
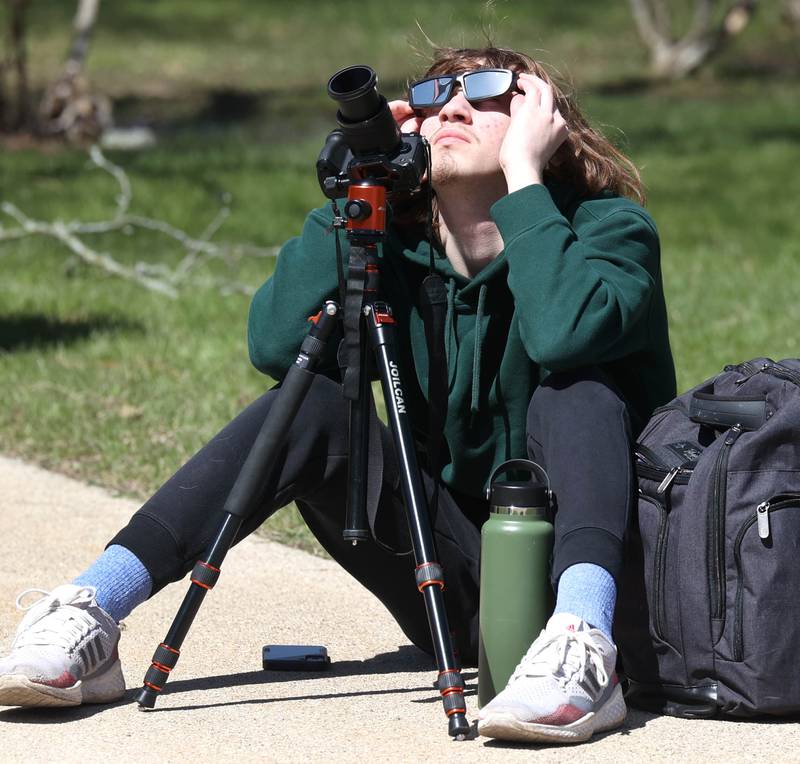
(364, 115)
(355, 90)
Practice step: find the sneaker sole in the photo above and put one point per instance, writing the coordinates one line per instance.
(19, 690)
(508, 727)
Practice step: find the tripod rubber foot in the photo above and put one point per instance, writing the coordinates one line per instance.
(146, 698)
(458, 727)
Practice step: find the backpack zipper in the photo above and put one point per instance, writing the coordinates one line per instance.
(750, 369)
(677, 475)
(667, 476)
(716, 536)
(761, 518)
(782, 372)
(659, 559)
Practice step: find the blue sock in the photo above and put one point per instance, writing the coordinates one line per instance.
(121, 580)
(589, 592)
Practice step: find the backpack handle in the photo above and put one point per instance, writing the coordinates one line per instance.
(724, 411)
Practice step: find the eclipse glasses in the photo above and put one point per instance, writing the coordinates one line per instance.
(477, 85)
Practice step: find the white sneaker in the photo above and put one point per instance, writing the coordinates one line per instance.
(64, 652)
(563, 691)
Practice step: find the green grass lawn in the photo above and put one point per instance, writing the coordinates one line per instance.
(113, 384)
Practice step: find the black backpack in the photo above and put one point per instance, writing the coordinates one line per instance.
(708, 619)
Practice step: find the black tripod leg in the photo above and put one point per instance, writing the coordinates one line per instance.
(356, 526)
(429, 575)
(204, 576)
(239, 504)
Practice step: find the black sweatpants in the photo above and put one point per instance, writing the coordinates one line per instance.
(578, 429)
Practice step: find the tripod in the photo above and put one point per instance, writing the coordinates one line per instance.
(371, 319)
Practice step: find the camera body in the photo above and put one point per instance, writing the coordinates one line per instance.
(368, 145)
(401, 172)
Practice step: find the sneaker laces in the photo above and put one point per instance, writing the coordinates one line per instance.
(562, 656)
(55, 621)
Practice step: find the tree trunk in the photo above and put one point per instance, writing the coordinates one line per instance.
(672, 58)
(15, 100)
(69, 108)
(791, 14)
(3, 92)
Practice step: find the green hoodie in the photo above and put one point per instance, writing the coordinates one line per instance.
(578, 283)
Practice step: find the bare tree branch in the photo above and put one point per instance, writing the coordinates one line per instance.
(154, 276)
(82, 26)
(791, 13)
(649, 30)
(61, 231)
(661, 17)
(125, 192)
(674, 58)
(703, 16)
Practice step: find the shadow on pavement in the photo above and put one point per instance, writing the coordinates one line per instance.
(405, 659)
(42, 715)
(322, 696)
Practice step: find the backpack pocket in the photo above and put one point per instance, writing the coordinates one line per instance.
(654, 527)
(715, 538)
(767, 577)
(756, 669)
(660, 486)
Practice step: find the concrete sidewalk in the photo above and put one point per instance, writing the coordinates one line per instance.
(377, 701)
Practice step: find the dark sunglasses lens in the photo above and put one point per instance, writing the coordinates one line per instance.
(433, 92)
(482, 85)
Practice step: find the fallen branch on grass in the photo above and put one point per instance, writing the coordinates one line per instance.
(158, 277)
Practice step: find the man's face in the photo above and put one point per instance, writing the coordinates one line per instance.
(466, 138)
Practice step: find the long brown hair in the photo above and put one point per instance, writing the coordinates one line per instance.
(586, 160)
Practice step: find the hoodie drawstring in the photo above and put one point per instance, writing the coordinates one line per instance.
(476, 361)
(448, 321)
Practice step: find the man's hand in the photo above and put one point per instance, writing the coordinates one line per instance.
(404, 116)
(535, 132)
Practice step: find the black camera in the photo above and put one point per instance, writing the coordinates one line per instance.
(368, 146)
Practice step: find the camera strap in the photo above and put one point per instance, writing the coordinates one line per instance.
(338, 223)
(433, 306)
(353, 304)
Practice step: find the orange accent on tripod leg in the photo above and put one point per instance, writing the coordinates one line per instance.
(430, 583)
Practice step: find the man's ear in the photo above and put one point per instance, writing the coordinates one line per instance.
(560, 155)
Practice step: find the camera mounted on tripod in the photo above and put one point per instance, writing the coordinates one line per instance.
(366, 159)
(368, 146)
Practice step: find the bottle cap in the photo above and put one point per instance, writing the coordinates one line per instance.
(518, 493)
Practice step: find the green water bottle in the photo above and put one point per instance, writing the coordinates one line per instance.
(516, 597)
